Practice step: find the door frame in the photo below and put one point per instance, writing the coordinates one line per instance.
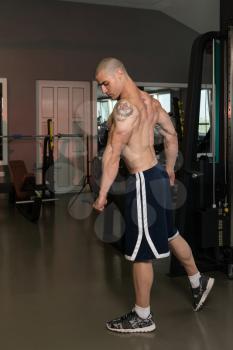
(3, 81)
(88, 121)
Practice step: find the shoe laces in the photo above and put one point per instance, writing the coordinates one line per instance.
(127, 316)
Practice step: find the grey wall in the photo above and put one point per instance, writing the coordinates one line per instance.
(55, 40)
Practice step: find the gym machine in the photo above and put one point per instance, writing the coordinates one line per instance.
(206, 218)
(24, 192)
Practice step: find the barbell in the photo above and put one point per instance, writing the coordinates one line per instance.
(26, 137)
(33, 201)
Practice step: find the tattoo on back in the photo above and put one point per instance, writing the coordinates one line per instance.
(123, 110)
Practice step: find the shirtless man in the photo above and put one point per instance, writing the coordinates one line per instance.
(149, 233)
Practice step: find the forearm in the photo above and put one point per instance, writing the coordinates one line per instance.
(110, 166)
(171, 151)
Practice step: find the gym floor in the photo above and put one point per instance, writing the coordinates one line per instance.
(59, 284)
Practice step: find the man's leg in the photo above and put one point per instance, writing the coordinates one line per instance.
(183, 253)
(143, 276)
(201, 285)
(140, 318)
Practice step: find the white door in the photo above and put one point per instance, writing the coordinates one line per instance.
(3, 122)
(67, 103)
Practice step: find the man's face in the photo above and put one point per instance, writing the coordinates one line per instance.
(110, 83)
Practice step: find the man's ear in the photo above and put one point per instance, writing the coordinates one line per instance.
(119, 72)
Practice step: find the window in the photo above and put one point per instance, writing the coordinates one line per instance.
(104, 109)
(105, 106)
(204, 114)
(164, 98)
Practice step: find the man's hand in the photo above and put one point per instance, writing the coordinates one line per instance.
(100, 203)
(171, 175)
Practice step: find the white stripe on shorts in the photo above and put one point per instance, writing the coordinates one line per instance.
(139, 217)
(144, 206)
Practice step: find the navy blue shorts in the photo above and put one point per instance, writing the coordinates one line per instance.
(148, 215)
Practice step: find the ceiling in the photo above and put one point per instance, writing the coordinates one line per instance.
(199, 15)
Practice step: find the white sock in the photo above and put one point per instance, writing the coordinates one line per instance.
(195, 280)
(142, 312)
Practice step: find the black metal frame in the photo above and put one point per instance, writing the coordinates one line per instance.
(191, 176)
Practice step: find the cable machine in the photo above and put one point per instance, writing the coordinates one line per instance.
(229, 155)
(206, 219)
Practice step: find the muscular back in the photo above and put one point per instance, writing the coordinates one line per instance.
(132, 132)
(131, 117)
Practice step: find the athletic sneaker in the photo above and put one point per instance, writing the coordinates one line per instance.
(201, 293)
(131, 323)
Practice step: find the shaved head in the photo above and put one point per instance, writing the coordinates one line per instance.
(111, 77)
(110, 65)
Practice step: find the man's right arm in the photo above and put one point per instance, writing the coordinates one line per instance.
(170, 141)
(123, 121)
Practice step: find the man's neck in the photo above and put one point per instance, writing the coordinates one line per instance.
(130, 89)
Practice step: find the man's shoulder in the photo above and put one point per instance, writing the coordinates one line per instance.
(125, 101)
(156, 103)
(124, 109)
(147, 98)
